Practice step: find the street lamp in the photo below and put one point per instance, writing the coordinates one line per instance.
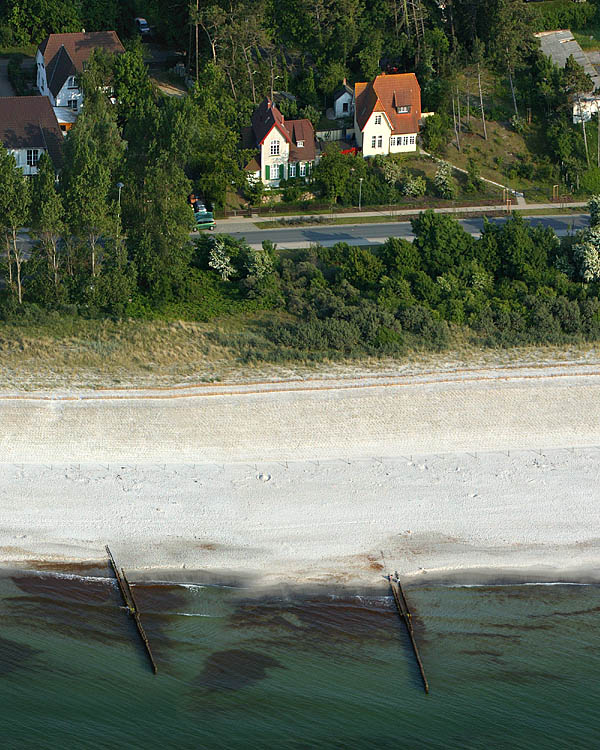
(120, 186)
(360, 180)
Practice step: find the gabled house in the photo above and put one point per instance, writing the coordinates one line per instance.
(60, 57)
(286, 147)
(387, 113)
(343, 101)
(29, 128)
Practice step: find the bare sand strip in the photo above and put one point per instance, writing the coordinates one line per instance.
(308, 484)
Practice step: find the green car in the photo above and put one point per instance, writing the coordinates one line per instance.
(204, 220)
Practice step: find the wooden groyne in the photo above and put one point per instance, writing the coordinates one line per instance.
(130, 603)
(404, 612)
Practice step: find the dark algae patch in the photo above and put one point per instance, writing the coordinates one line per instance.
(235, 669)
(15, 656)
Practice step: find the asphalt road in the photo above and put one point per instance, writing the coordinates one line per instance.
(376, 234)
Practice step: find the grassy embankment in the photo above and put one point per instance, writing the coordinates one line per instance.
(79, 353)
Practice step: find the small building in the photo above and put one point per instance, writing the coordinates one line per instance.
(61, 57)
(559, 45)
(387, 114)
(29, 128)
(286, 147)
(343, 101)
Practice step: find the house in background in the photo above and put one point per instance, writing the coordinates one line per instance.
(559, 46)
(286, 147)
(387, 113)
(343, 101)
(29, 128)
(59, 59)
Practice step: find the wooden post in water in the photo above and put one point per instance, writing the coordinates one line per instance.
(129, 601)
(404, 612)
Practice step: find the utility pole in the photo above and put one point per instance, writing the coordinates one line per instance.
(360, 181)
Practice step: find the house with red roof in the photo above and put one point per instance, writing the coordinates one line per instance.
(286, 148)
(60, 57)
(28, 129)
(387, 113)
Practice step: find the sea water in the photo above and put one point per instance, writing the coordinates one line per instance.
(508, 667)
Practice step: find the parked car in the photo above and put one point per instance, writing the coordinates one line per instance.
(142, 27)
(203, 217)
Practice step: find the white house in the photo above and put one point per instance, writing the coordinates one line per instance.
(60, 57)
(29, 128)
(387, 114)
(343, 101)
(286, 148)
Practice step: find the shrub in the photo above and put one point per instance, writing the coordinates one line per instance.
(445, 185)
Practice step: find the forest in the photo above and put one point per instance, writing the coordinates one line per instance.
(100, 250)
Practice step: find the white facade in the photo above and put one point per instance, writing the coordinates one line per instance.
(27, 158)
(70, 94)
(274, 157)
(344, 105)
(377, 138)
(275, 160)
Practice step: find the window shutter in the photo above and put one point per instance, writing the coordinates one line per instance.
(281, 171)
(267, 172)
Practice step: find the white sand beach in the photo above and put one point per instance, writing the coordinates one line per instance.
(312, 481)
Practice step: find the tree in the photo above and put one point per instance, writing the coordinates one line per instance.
(15, 205)
(441, 242)
(158, 222)
(220, 260)
(578, 82)
(511, 38)
(586, 255)
(594, 209)
(48, 219)
(445, 185)
(93, 152)
(435, 133)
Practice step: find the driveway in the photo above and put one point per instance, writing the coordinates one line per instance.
(5, 88)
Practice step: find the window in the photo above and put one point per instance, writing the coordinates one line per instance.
(302, 169)
(33, 156)
(345, 107)
(379, 141)
(393, 140)
(377, 119)
(403, 110)
(412, 140)
(72, 83)
(373, 142)
(300, 144)
(275, 148)
(405, 141)
(72, 104)
(292, 170)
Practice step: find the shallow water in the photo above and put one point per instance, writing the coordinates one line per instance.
(508, 667)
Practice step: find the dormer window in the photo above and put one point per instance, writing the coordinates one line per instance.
(404, 109)
(72, 83)
(274, 148)
(377, 119)
(300, 144)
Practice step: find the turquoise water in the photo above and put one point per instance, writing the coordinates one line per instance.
(508, 667)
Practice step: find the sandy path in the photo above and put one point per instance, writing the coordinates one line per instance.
(302, 483)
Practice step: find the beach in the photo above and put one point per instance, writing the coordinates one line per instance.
(480, 473)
